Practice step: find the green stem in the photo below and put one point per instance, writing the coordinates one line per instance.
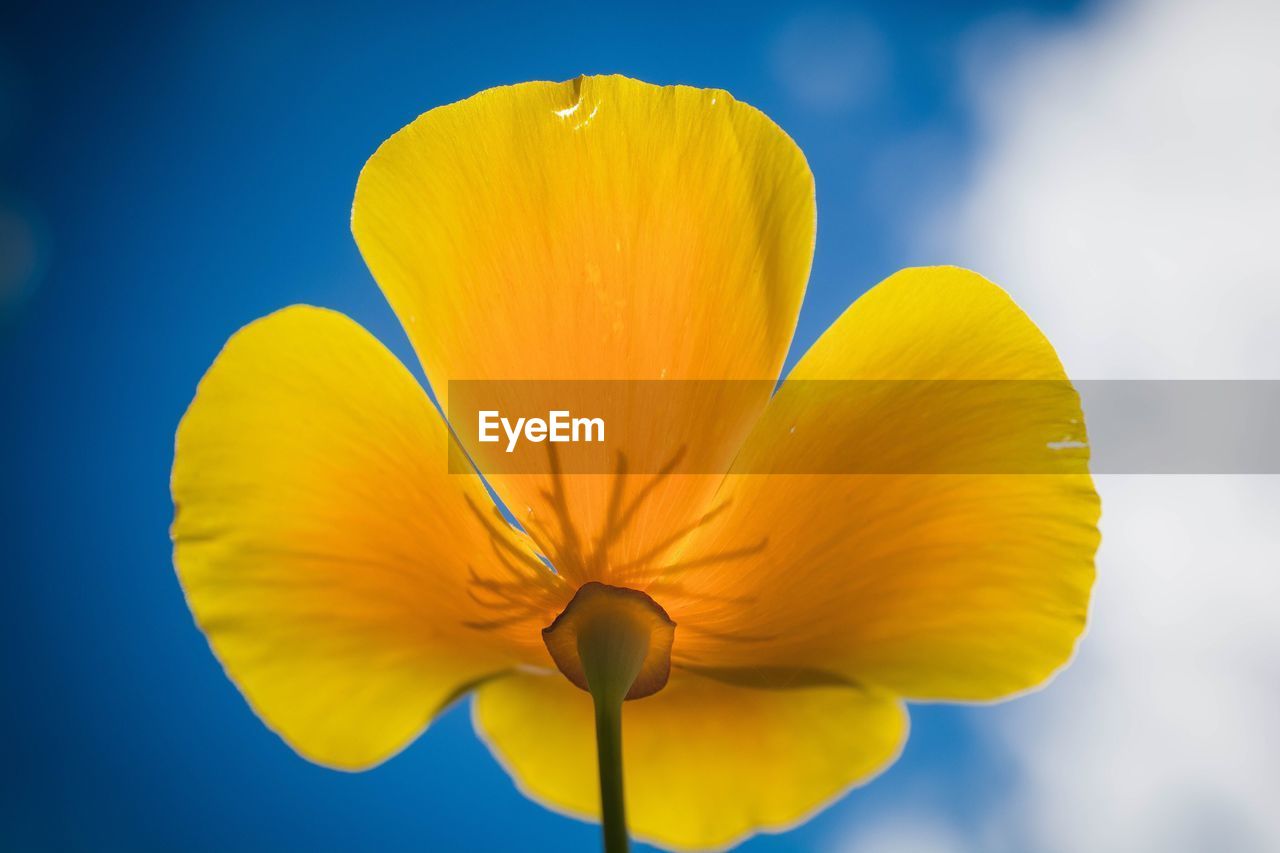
(609, 757)
(612, 652)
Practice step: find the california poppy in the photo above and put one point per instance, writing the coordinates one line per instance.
(768, 627)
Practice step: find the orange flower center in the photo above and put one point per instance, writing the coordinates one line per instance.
(611, 640)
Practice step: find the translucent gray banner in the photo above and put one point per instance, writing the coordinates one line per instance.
(865, 427)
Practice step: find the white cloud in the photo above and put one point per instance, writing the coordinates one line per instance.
(830, 61)
(1129, 190)
(1162, 735)
(909, 831)
(1128, 195)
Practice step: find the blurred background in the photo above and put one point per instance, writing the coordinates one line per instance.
(169, 172)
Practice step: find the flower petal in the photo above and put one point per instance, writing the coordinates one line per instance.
(325, 550)
(601, 228)
(705, 763)
(956, 585)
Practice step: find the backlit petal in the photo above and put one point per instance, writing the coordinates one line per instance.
(705, 763)
(335, 566)
(951, 585)
(601, 228)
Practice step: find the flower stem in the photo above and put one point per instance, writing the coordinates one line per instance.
(609, 757)
(612, 651)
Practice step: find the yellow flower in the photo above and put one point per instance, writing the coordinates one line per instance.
(608, 229)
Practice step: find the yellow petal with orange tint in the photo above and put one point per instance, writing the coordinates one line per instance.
(705, 764)
(336, 567)
(941, 575)
(601, 228)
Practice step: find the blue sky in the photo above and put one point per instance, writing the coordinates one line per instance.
(175, 173)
